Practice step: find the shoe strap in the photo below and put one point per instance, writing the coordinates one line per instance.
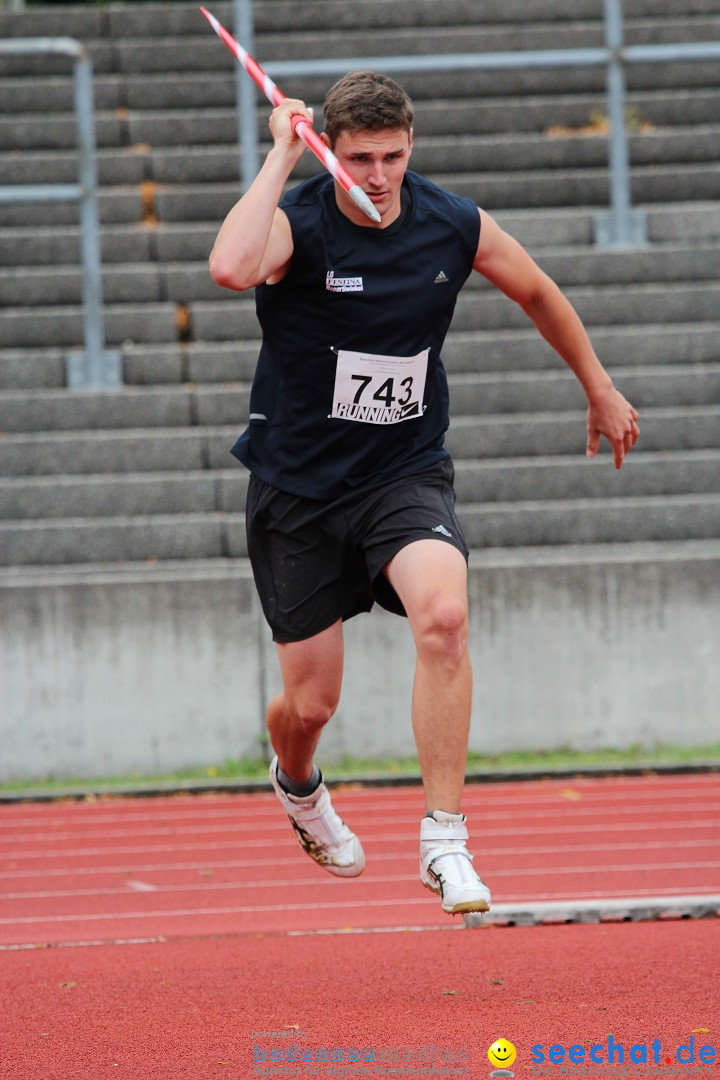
(431, 856)
(433, 831)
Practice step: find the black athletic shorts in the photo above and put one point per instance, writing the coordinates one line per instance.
(317, 562)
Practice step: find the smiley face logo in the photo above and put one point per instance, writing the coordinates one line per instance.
(501, 1054)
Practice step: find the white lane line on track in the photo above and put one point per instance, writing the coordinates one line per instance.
(232, 864)
(496, 873)
(245, 909)
(521, 833)
(361, 905)
(346, 930)
(278, 823)
(28, 946)
(275, 820)
(198, 808)
(638, 894)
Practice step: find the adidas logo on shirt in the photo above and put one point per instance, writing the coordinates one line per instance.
(441, 278)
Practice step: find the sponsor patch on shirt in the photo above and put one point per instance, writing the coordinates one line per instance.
(342, 284)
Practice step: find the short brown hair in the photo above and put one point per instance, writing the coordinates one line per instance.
(366, 101)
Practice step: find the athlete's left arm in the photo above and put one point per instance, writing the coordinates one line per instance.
(505, 263)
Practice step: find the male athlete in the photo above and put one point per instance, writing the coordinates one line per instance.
(350, 498)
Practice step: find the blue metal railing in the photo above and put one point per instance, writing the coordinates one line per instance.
(95, 368)
(621, 225)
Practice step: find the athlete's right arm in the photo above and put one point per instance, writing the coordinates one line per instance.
(255, 241)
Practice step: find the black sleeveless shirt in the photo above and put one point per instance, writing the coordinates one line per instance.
(354, 291)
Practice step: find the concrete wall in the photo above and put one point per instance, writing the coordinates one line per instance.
(126, 672)
(147, 671)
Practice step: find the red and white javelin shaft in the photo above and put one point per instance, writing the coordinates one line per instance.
(300, 126)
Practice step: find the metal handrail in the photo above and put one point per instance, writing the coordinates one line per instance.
(621, 225)
(95, 368)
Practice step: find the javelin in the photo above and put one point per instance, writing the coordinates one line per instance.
(299, 125)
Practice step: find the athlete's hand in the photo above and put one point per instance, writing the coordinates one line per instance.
(612, 416)
(280, 124)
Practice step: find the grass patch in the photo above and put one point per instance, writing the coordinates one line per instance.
(516, 761)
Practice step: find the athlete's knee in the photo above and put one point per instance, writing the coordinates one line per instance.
(442, 629)
(310, 710)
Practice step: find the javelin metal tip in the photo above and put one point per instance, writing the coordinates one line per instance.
(361, 199)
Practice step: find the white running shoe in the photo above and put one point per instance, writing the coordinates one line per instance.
(446, 864)
(320, 831)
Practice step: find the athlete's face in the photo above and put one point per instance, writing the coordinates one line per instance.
(377, 161)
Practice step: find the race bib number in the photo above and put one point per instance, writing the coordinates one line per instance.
(375, 389)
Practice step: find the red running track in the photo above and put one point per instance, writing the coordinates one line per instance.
(242, 930)
(230, 864)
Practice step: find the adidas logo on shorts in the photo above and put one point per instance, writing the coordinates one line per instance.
(442, 530)
(441, 278)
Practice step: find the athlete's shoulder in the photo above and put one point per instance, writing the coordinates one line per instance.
(430, 196)
(309, 192)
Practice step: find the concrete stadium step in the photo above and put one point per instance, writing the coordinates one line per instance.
(592, 521)
(121, 539)
(673, 221)
(218, 535)
(676, 223)
(219, 164)
(122, 284)
(195, 49)
(56, 410)
(198, 51)
(115, 206)
(126, 20)
(468, 353)
(38, 369)
(602, 305)
(38, 246)
(280, 15)
(681, 472)
(30, 131)
(28, 327)
(191, 281)
(49, 94)
(569, 267)
(53, 285)
(547, 188)
(212, 90)
(503, 480)
(542, 189)
(537, 114)
(465, 352)
(543, 434)
(126, 166)
(34, 244)
(179, 449)
(598, 266)
(566, 171)
(514, 350)
(108, 451)
(495, 153)
(122, 494)
(440, 118)
(46, 94)
(672, 386)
